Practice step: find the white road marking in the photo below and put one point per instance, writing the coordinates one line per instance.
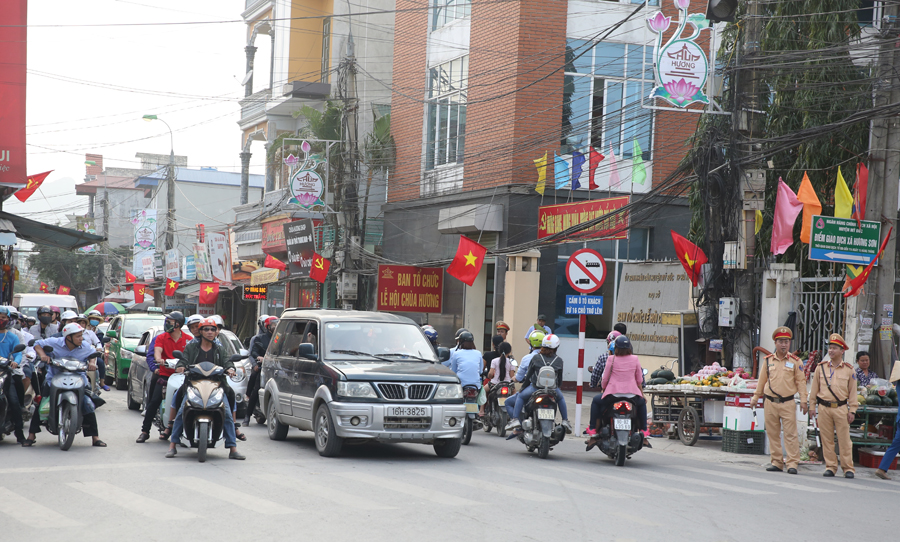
(627, 481)
(417, 491)
(135, 502)
(706, 483)
(601, 491)
(481, 485)
(754, 479)
(343, 498)
(78, 467)
(32, 513)
(230, 495)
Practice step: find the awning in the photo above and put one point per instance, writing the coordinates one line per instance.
(54, 236)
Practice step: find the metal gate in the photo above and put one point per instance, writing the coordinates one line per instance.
(820, 309)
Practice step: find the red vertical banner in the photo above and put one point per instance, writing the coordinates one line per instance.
(13, 33)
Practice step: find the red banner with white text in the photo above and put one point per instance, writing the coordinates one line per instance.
(13, 32)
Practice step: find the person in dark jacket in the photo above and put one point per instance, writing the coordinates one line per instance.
(259, 345)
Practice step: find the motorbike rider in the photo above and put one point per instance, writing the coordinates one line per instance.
(193, 324)
(71, 344)
(45, 326)
(596, 376)
(92, 320)
(165, 344)
(56, 313)
(623, 375)
(466, 362)
(260, 345)
(546, 356)
(68, 317)
(535, 340)
(197, 352)
(432, 335)
(8, 341)
(261, 326)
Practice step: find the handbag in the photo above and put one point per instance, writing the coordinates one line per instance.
(44, 409)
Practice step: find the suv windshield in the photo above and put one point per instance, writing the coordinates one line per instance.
(397, 341)
(133, 328)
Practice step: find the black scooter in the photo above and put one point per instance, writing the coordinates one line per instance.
(539, 428)
(6, 421)
(495, 408)
(473, 422)
(621, 436)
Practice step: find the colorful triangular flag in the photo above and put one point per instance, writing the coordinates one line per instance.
(638, 171)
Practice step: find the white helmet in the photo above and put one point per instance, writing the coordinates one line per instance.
(261, 321)
(193, 319)
(72, 329)
(550, 341)
(69, 315)
(218, 320)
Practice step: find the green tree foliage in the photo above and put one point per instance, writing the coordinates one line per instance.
(77, 270)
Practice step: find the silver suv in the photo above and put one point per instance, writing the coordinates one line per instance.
(357, 376)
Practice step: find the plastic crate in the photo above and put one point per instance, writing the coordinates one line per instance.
(872, 459)
(744, 442)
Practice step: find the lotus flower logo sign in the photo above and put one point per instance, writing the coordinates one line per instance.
(681, 65)
(306, 188)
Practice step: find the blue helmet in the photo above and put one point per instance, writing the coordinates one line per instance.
(430, 332)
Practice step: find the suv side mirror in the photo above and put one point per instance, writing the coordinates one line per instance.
(142, 350)
(112, 334)
(443, 354)
(308, 351)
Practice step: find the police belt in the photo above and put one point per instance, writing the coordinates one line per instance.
(779, 399)
(832, 404)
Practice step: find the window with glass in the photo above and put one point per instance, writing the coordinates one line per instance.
(603, 88)
(446, 131)
(447, 11)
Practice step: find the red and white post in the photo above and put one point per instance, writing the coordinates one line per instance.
(579, 381)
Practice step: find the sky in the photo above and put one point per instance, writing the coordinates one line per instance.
(89, 86)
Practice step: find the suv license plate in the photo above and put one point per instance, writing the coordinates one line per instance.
(407, 411)
(622, 423)
(546, 414)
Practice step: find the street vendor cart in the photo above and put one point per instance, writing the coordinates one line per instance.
(690, 410)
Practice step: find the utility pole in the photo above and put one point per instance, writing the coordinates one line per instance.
(350, 173)
(881, 202)
(170, 202)
(104, 276)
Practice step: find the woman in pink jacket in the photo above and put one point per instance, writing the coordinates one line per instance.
(623, 375)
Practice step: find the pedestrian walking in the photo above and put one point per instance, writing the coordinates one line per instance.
(834, 392)
(894, 448)
(780, 378)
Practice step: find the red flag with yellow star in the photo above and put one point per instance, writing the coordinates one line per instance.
(45, 288)
(171, 286)
(34, 182)
(63, 290)
(209, 292)
(692, 258)
(468, 260)
(139, 291)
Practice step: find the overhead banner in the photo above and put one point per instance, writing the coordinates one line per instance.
(553, 219)
(404, 288)
(201, 262)
(13, 35)
(86, 224)
(172, 260)
(144, 242)
(301, 246)
(681, 67)
(219, 256)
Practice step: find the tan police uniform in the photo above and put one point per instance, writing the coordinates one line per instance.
(779, 381)
(833, 394)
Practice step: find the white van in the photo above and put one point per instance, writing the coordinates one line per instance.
(29, 304)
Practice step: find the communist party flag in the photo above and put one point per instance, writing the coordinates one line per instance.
(139, 291)
(274, 263)
(857, 283)
(468, 260)
(171, 286)
(129, 278)
(209, 292)
(811, 207)
(691, 256)
(63, 290)
(34, 182)
(320, 267)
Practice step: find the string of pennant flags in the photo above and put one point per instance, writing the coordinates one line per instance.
(564, 175)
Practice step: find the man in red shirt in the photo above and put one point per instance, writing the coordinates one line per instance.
(167, 343)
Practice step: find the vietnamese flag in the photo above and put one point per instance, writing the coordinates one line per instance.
(45, 288)
(34, 182)
(274, 263)
(63, 290)
(171, 286)
(857, 283)
(320, 267)
(129, 278)
(468, 260)
(209, 292)
(139, 291)
(692, 258)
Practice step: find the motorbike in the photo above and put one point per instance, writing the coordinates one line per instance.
(472, 423)
(67, 390)
(6, 422)
(621, 436)
(539, 428)
(161, 418)
(495, 408)
(204, 409)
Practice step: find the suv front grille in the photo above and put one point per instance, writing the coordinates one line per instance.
(405, 392)
(402, 422)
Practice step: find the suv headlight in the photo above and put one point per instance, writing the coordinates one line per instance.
(215, 399)
(448, 391)
(356, 389)
(193, 396)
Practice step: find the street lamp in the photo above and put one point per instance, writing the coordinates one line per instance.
(170, 185)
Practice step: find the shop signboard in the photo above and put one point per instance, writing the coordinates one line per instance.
(190, 270)
(255, 293)
(404, 288)
(273, 236)
(147, 267)
(201, 262)
(172, 271)
(553, 219)
(159, 268)
(839, 240)
(646, 291)
(206, 310)
(219, 256)
(299, 238)
(681, 67)
(263, 276)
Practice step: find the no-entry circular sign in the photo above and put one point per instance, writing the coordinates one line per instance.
(586, 270)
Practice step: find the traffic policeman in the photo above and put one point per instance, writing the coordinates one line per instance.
(834, 391)
(780, 378)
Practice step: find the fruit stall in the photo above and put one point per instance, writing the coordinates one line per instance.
(874, 423)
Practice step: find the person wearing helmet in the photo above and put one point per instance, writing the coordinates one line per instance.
(259, 345)
(198, 352)
(70, 345)
(8, 341)
(534, 340)
(91, 339)
(596, 376)
(164, 347)
(456, 337)
(623, 375)
(466, 361)
(45, 326)
(56, 318)
(68, 317)
(220, 323)
(193, 324)
(432, 335)
(540, 325)
(545, 357)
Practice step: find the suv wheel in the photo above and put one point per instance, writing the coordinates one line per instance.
(447, 447)
(327, 441)
(277, 430)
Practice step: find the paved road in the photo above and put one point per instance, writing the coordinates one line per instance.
(494, 490)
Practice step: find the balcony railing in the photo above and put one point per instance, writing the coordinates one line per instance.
(254, 104)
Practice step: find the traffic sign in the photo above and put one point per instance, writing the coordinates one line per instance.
(586, 270)
(839, 240)
(584, 304)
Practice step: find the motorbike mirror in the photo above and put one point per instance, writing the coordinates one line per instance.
(235, 357)
(31, 342)
(19, 348)
(443, 353)
(48, 349)
(94, 355)
(178, 354)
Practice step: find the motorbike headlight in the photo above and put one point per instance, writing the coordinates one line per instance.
(193, 397)
(448, 391)
(356, 389)
(72, 365)
(215, 398)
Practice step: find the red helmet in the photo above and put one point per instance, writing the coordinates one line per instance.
(271, 320)
(207, 322)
